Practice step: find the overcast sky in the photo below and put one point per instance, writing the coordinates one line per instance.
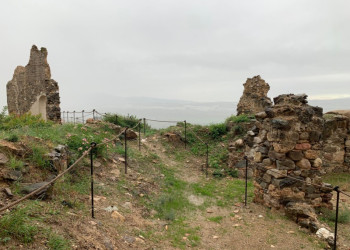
(197, 50)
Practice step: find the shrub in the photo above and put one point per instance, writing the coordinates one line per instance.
(239, 118)
(124, 121)
(12, 138)
(217, 130)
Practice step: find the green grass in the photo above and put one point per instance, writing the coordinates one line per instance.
(224, 192)
(329, 216)
(57, 242)
(17, 225)
(15, 164)
(338, 179)
(180, 229)
(173, 202)
(239, 118)
(216, 219)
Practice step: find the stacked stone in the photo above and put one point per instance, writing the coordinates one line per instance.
(32, 86)
(289, 144)
(254, 98)
(336, 148)
(238, 147)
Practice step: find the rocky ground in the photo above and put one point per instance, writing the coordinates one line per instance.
(163, 202)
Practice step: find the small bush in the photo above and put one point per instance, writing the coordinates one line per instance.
(124, 121)
(15, 225)
(12, 138)
(232, 172)
(218, 173)
(217, 130)
(239, 118)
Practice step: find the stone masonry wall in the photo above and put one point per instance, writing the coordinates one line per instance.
(290, 134)
(254, 98)
(32, 89)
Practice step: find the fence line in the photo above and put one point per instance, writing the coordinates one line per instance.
(93, 145)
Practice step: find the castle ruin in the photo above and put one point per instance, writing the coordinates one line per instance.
(32, 89)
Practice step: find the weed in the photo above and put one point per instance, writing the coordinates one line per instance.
(217, 130)
(57, 242)
(329, 215)
(239, 118)
(16, 225)
(216, 219)
(16, 164)
(12, 138)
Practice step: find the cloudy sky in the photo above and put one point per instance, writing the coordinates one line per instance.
(194, 50)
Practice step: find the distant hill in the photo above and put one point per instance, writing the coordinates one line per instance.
(179, 110)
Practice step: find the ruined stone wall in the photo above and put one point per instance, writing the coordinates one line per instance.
(32, 89)
(336, 144)
(291, 136)
(254, 98)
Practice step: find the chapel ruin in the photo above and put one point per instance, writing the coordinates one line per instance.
(32, 89)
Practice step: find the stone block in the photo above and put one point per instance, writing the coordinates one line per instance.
(295, 155)
(304, 164)
(311, 154)
(286, 164)
(258, 157)
(276, 156)
(277, 173)
(303, 146)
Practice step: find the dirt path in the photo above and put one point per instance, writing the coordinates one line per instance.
(233, 226)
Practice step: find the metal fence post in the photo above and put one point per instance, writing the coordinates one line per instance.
(74, 116)
(185, 134)
(336, 218)
(246, 180)
(207, 165)
(93, 114)
(144, 126)
(82, 116)
(140, 135)
(126, 151)
(93, 145)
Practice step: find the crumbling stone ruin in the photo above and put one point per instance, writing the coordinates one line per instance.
(288, 142)
(254, 98)
(290, 145)
(32, 89)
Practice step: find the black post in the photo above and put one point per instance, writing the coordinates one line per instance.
(126, 151)
(93, 114)
(82, 116)
(144, 126)
(336, 218)
(93, 145)
(246, 179)
(140, 135)
(74, 116)
(67, 116)
(185, 134)
(207, 165)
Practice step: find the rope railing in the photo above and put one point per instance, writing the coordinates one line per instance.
(46, 185)
(153, 120)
